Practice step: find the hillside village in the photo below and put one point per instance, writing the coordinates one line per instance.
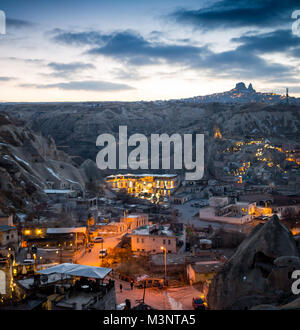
(74, 237)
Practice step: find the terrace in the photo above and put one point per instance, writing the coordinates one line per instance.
(73, 286)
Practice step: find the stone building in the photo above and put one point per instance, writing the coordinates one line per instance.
(152, 239)
(134, 221)
(8, 237)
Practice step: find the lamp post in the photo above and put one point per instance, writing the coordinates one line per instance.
(102, 252)
(163, 248)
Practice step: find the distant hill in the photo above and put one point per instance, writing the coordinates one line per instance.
(77, 125)
(242, 94)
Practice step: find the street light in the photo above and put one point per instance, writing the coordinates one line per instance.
(102, 252)
(163, 248)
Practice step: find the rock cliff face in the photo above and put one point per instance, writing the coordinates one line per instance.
(92, 175)
(29, 164)
(259, 271)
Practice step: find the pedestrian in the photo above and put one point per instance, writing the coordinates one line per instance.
(121, 287)
(131, 285)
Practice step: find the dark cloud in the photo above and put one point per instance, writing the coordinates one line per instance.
(99, 86)
(134, 49)
(245, 61)
(26, 60)
(131, 48)
(67, 69)
(127, 74)
(295, 52)
(275, 41)
(78, 38)
(6, 78)
(18, 23)
(238, 13)
(243, 64)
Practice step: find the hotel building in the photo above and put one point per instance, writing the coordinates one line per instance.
(139, 184)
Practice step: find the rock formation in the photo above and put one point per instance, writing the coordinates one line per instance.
(259, 271)
(241, 87)
(77, 125)
(31, 163)
(251, 89)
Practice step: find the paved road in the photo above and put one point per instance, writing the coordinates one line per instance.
(187, 213)
(92, 258)
(170, 299)
(167, 299)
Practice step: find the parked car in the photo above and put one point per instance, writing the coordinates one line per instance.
(265, 218)
(198, 303)
(121, 307)
(98, 239)
(102, 253)
(28, 261)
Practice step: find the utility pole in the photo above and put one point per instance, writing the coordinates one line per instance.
(102, 252)
(144, 291)
(76, 247)
(165, 250)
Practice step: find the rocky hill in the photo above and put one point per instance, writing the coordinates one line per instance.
(260, 270)
(242, 94)
(29, 164)
(75, 126)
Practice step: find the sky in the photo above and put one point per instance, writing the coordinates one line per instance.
(130, 50)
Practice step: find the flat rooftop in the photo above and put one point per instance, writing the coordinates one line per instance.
(205, 267)
(57, 191)
(66, 230)
(146, 231)
(142, 175)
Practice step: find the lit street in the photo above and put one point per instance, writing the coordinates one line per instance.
(172, 298)
(92, 258)
(179, 298)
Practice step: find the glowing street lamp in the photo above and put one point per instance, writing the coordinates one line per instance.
(164, 249)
